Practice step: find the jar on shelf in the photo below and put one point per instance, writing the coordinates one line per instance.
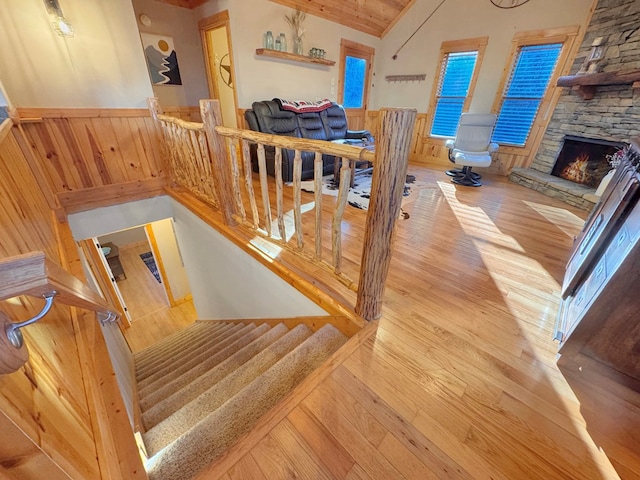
(283, 42)
(268, 40)
(277, 46)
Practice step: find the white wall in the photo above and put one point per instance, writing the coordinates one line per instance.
(263, 78)
(125, 237)
(181, 25)
(228, 283)
(455, 20)
(169, 252)
(102, 66)
(101, 221)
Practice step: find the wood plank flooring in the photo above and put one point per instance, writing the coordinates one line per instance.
(152, 316)
(460, 379)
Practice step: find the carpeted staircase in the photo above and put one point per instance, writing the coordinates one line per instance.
(205, 386)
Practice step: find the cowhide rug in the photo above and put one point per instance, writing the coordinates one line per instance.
(360, 193)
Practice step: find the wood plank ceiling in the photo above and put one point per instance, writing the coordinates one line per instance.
(375, 17)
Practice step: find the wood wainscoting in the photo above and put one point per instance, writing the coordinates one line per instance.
(87, 158)
(48, 417)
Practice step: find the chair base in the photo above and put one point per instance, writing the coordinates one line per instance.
(466, 178)
(454, 172)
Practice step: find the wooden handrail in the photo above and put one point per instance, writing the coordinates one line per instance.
(196, 126)
(303, 144)
(35, 275)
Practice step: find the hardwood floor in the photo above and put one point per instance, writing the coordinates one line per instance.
(152, 316)
(459, 381)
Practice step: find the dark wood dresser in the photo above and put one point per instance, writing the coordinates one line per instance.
(599, 318)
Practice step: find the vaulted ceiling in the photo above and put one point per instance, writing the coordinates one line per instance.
(375, 17)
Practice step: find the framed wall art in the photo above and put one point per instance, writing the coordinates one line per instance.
(161, 59)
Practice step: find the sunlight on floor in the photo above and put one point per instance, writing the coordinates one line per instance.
(566, 221)
(491, 243)
(495, 248)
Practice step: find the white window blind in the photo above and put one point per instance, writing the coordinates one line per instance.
(456, 73)
(524, 92)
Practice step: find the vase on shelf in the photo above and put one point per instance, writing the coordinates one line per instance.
(298, 46)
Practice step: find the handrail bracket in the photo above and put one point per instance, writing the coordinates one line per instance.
(13, 329)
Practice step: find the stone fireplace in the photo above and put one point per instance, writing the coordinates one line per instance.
(610, 115)
(584, 160)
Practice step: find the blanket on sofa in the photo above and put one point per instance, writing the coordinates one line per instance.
(302, 106)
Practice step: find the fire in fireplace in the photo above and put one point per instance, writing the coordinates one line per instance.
(584, 160)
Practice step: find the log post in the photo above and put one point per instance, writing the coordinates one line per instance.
(220, 168)
(387, 186)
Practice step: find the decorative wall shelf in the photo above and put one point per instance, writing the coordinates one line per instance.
(406, 78)
(293, 57)
(587, 85)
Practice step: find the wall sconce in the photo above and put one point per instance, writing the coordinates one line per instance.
(59, 23)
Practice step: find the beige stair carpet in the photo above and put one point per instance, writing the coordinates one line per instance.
(155, 351)
(160, 357)
(171, 357)
(151, 350)
(209, 438)
(199, 379)
(191, 413)
(192, 358)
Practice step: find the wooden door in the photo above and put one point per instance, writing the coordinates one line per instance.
(215, 32)
(356, 62)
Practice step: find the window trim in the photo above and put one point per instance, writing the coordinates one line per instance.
(564, 35)
(478, 44)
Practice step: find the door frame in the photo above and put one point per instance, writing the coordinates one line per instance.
(355, 49)
(220, 19)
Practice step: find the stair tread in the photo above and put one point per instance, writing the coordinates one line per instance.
(262, 335)
(174, 401)
(192, 412)
(189, 359)
(206, 440)
(208, 338)
(168, 340)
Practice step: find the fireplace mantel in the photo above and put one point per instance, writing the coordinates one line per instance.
(586, 85)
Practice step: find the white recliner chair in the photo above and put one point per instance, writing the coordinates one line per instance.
(472, 147)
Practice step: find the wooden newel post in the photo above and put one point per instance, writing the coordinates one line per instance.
(387, 186)
(220, 167)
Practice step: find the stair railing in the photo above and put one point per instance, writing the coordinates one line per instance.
(235, 197)
(34, 275)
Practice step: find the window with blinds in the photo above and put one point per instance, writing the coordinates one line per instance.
(524, 91)
(456, 73)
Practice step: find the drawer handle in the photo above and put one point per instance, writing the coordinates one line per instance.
(599, 270)
(622, 238)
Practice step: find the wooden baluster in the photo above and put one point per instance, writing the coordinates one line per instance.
(198, 164)
(336, 224)
(211, 117)
(235, 172)
(317, 182)
(187, 160)
(248, 181)
(279, 194)
(387, 186)
(171, 136)
(203, 153)
(264, 188)
(155, 109)
(297, 200)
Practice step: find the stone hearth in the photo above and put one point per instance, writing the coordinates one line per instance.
(569, 192)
